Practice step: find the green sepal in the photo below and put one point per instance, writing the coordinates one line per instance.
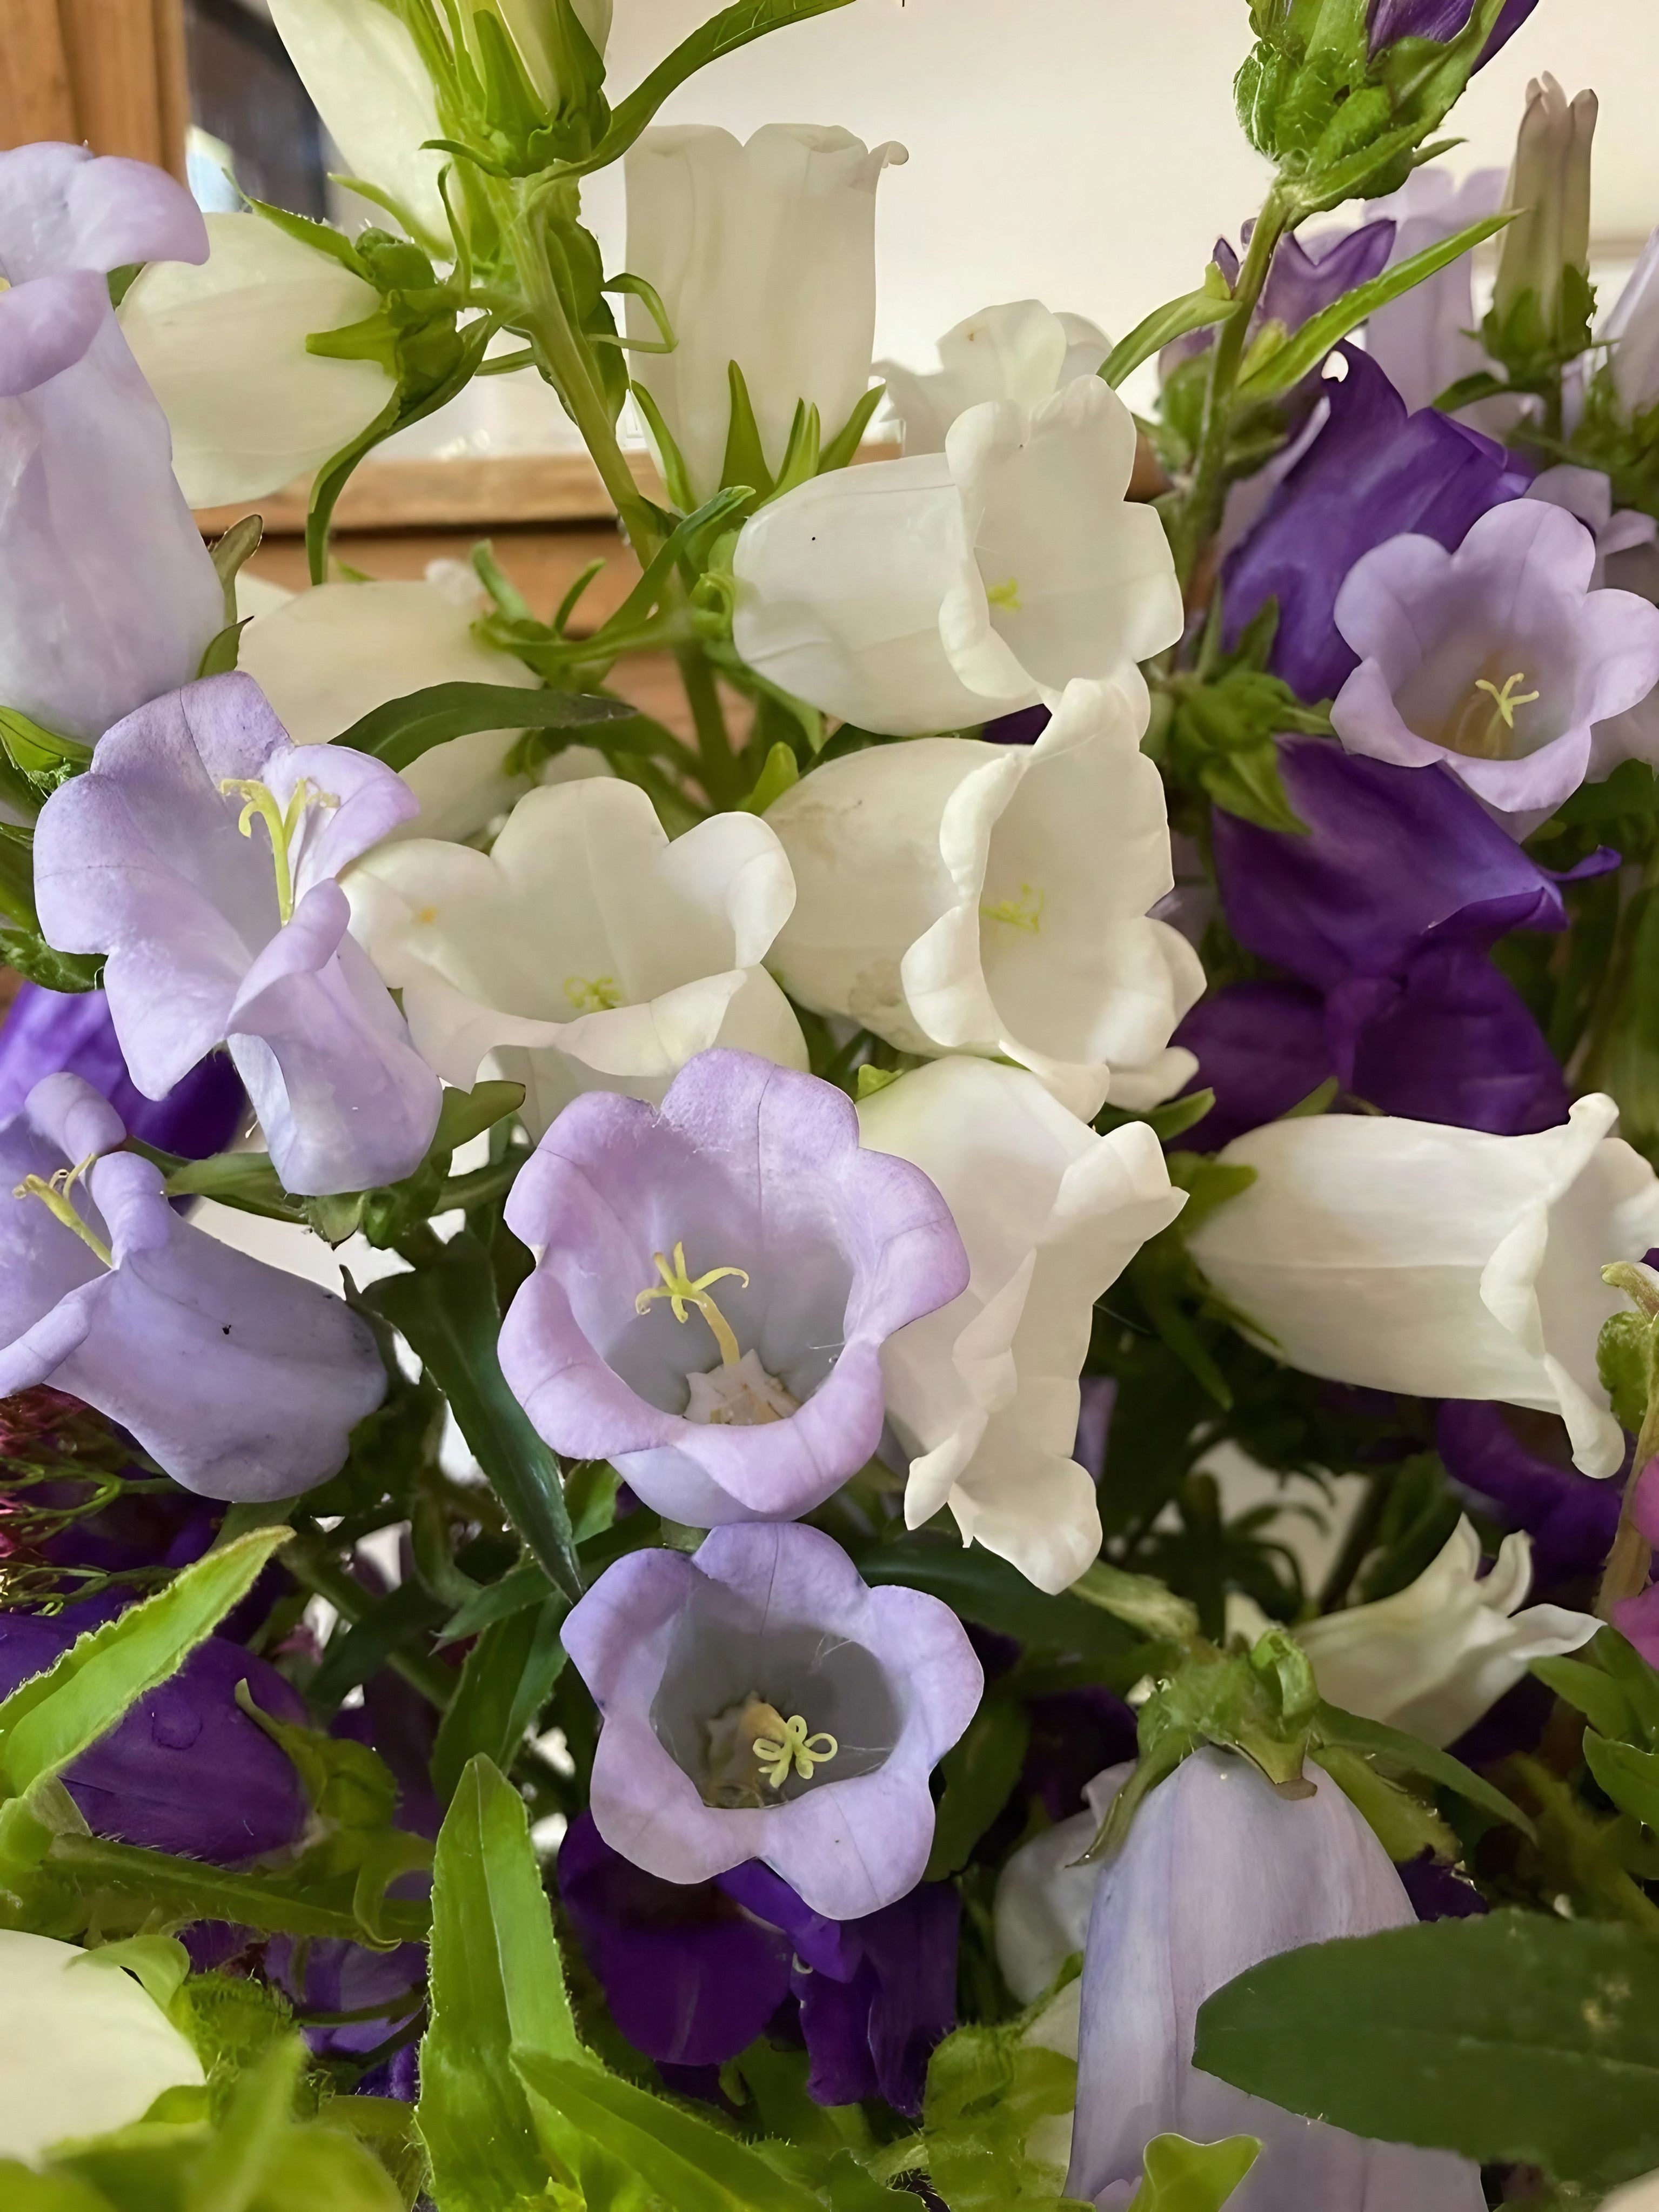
(1180, 2175)
(1350, 1732)
(1213, 302)
(228, 553)
(219, 653)
(780, 772)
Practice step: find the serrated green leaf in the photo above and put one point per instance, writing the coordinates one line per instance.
(47, 1722)
(1304, 352)
(449, 1312)
(508, 1678)
(497, 1986)
(401, 730)
(1516, 2039)
(1190, 2176)
(692, 2164)
(979, 1772)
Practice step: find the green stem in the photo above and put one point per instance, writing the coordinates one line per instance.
(195, 1891)
(1629, 1562)
(1362, 1535)
(308, 1561)
(717, 764)
(1199, 516)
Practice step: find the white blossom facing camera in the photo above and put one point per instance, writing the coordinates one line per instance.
(1018, 351)
(955, 895)
(940, 591)
(1438, 1262)
(223, 348)
(584, 950)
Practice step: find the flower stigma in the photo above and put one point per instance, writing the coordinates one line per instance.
(54, 1195)
(596, 995)
(261, 803)
(752, 1744)
(1482, 730)
(1023, 912)
(680, 1290)
(1005, 596)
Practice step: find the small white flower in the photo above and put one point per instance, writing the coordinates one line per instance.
(584, 951)
(937, 591)
(83, 2049)
(1633, 331)
(328, 656)
(955, 895)
(983, 1395)
(1438, 1654)
(223, 348)
(1019, 351)
(365, 78)
(1436, 1261)
(762, 254)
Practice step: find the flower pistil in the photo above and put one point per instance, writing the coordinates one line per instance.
(261, 803)
(54, 1195)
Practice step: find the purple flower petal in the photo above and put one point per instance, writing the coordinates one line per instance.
(64, 207)
(1442, 21)
(670, 1646)
(1571, 1517)
(1262, 1047)
(47, 1031)
(752, 1167)
(1371, 473)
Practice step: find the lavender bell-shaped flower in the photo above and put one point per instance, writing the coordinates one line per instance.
(1220, 1872)
(760, 1702)
(200, 851)
(107, 596)
(1495, 661)
(47, 1032)
(740, 1219)
(239, 1380)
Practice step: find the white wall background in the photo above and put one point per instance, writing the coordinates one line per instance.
(1085, 151)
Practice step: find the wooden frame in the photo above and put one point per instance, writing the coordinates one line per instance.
(110, 73)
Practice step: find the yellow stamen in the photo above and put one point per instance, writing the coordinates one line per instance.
(594, 995)
(281, 825)
(1023, 912)
(1005, 595)
(55, 1196)
(793, 1747)
(680, 1290)
(1481, 731)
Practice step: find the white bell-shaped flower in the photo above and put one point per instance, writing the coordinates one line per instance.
(583, 952)
(1436, 1261)
(940, 591)
(223, 348)
(359, 63)
(326, 657)
(1018, 351)
(83, 2049)
(762, 254)
(983, 1395)
(1436, 1656)
(955, 895)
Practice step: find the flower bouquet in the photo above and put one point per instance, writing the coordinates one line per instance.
(900, 1445)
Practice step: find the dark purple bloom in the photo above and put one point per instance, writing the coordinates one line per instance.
(1442, 21)
(1261, 1048)
(1300, 285)
(1438, 1894)
(47, 1032)
(336, 1976)
(1372, 472)
(1571, 1517)
(694, 1972)
(185, 1771)
(1075, 1734)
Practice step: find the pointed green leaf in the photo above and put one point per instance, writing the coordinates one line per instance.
(1331, 1725)
(467, 1114)
(980, 1772)
(400, 731)
(1213, 302)
(1190, 2176)
(507, 1677)
(49, 1722)
(1629, 1776)
(781, 770)
(497, 1985)
(1518, 2039)
(1589, 1691)
(450, 1314)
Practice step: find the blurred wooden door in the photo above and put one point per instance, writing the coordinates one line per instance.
(109, 72)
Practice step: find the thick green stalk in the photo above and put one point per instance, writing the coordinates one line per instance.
(717, 764)
(1199, 514)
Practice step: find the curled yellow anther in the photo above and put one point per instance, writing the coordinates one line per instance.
(282, 824)
(55, 1196)
(796, 1748)
(1023, 912)
(680, 1290)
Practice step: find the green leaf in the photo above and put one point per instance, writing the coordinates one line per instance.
(507, 1679)
(497, 1986)
(1638, 1681)
(238, 2159)
(1351, 1733)
(159, 1964)
(1142, 1601)
(1189, 2177)
(781, 770)
(1247, 782)
(219, 654)
(841, 451)
(1213, 302)
(401, 730)
(449, 1313)
(978, 1585)
(1518, 2039)
(1589, 1691)
(692, 2164)
(50, 1721)
(988, 2088)
(467, 1114)
(38, 750)
(320, 237)
(721, 34)
(523, 1586)
(28, 953)
(244, 1179)
(1629, 1776)
(23, 2190)
(980, 1772)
